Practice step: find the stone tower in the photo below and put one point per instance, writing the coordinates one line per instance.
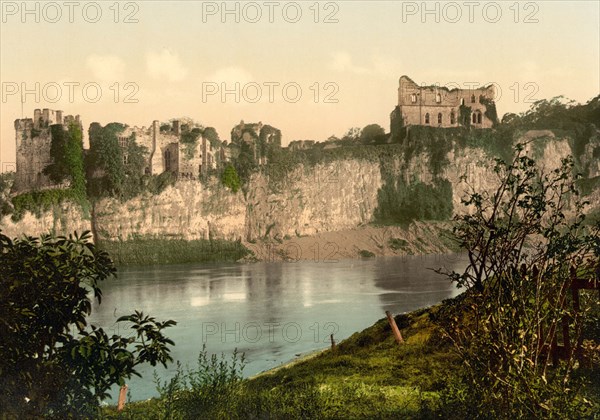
(33, 139)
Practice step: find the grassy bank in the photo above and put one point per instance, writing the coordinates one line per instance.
(147, 251)
(367, 376)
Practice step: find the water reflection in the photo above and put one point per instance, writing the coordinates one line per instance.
(270, 311)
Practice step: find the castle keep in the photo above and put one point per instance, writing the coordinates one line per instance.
(437, 106)
(33, 140)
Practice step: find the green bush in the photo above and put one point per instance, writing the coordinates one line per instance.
(230, 179)
(52, 364)
(397, 244)
(366, 254)
(517, 287)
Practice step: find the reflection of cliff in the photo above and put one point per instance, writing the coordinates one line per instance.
(332, 196)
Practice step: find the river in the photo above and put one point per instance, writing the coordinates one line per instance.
(270, 311)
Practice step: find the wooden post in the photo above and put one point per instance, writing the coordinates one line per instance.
(332, 342)
(122, 396)
(395, 329)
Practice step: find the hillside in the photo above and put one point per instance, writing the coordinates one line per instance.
(366, 376)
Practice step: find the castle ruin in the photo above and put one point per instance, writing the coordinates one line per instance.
(186, 151)
(437, 106)
(33, 138)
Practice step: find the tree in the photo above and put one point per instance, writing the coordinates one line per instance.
(210, 133)
(371, 133)
(525, 242)
(230, 178)
(51, 363)
(352, 134)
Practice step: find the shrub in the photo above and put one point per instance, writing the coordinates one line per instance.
(51, 363)
(523, 253)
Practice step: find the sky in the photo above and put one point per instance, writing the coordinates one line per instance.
(311, 69)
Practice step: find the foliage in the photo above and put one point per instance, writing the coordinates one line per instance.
(579, 122)
(66, 152)
(366, 253)
(210, 133)
(134, 182)
(245, 164)
(490, 110)
(6, 182)
(104, 161)
(372, 133)
(402, 203)
(207, 391)
(230, 178)
(588, 185)
(367, 376)
(189, 138)
(50, 364)
(523, 251)
(397, 243)
(156, 184)
(464, 116)
(37, 202)
(352, 135)
(149, 251)
(436, 142)
(106, 170)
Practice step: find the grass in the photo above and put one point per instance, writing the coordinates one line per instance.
(367, 375)
(150, 251)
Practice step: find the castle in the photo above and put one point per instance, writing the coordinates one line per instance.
(437, 106)
(182, 149)
(190, 151)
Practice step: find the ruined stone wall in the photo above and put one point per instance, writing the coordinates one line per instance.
(416, 102)
(33, 155)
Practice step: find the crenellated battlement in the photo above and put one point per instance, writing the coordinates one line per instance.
(33, 138)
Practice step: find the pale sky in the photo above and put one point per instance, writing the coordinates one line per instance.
(175, 58)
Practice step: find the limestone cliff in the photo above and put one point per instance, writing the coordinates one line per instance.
(333, 196)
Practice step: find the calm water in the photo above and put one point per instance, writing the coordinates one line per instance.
(271, 311)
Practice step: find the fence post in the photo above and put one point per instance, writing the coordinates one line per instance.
(122, 396)
(332, 342)
(395, 329)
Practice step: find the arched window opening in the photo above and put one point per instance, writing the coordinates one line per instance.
(478, 117)
(440, 118)
(452, 118)
(438, 98)
(427, 118)
(472, 99)
(413, 98)
(474, 118)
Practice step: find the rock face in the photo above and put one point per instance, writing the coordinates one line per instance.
(330, 197)
(61, 220)
(187, 211)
